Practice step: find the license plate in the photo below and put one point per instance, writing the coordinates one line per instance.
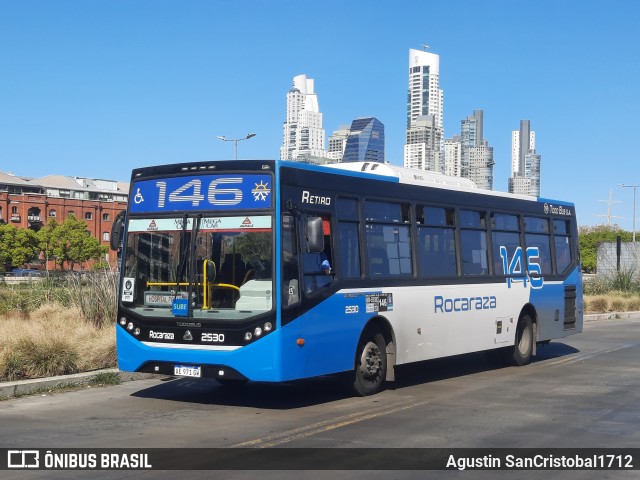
(186, 371)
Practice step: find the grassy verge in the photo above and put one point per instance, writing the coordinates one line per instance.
(617, 293)
(53, 340)
(58, 326)
(612, 302)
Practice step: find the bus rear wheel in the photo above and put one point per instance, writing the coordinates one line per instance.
(371, 364)
(523, 348)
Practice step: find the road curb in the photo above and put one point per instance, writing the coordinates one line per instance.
(39, 385)
(610, 316)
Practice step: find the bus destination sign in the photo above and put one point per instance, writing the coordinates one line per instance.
(202, 192)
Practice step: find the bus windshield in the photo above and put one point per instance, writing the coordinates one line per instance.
(216, 268)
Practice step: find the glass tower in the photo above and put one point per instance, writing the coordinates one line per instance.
(365, 142)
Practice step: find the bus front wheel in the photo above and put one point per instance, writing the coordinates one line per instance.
(371, 364)
(523, 348)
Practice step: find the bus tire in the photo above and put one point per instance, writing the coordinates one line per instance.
(523, 347)
(371, 364)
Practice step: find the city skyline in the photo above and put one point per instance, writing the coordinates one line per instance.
(97, 90)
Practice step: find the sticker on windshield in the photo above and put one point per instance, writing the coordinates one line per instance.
(128, 287)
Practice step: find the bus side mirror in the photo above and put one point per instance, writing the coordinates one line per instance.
(209, 268)
(115, 242)
(314, 234)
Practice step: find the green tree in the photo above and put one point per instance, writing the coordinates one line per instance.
(17, 246)
(46, 238)
(591, 237)
(72, 243)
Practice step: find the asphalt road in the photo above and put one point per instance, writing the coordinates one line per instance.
(583, 391)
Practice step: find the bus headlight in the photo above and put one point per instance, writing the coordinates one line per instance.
(248, 336)
(123, 321)
(130, 326)
(268, 327)
(257, 332)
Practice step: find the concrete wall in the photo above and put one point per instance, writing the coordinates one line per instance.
(606, 262)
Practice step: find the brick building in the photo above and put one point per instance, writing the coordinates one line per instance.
(32, 202)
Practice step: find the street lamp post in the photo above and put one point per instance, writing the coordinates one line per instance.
(634, 206)
(235, 142)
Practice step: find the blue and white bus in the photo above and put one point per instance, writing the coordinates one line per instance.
(272, 271)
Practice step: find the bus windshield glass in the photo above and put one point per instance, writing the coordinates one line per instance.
(215, 268)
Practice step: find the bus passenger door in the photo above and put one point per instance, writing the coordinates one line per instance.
(290, 259)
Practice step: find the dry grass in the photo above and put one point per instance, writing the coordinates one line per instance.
(597, 304)
(613, 302)
(53, 340)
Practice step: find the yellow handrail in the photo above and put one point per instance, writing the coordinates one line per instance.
(206, 287)
(170, 284)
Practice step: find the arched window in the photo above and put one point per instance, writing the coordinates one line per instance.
(14, 210)
(106, 217)
(88, 216)
(52, 213)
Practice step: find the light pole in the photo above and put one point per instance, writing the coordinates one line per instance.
(235, 142)
(634, 206)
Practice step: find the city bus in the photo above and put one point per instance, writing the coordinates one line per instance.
(273, 271)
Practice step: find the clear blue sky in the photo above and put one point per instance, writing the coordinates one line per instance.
(94, 88)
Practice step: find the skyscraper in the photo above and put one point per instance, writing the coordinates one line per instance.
(522, 141)
(525, 162)
(337, 143)
(469, 155)
(303, 135)
(365, 142)
(453, 156)
(421, 149)
(477, 155)
(424, 147)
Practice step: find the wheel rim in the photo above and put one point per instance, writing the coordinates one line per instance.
(370, 361)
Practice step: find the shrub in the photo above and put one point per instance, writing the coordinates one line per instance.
(12, 366)
(95, 295)
(47, 357)
(597, 286)
(624, 281)
(618, 304)
(633, 304)
(597, 304)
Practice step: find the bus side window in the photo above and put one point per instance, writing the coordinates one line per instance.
(349, 245)
(348, 237)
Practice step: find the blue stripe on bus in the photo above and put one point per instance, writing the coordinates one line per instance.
(338, 171)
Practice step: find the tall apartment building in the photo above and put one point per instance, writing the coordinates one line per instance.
(453, 156)
(469, 155)
(424, 147)
(303, 135)
(525, 162)
(477, 155)
(365, 142)
(337, 143)
(32, 203)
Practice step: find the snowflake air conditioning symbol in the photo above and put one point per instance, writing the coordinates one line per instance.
(261, 191)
